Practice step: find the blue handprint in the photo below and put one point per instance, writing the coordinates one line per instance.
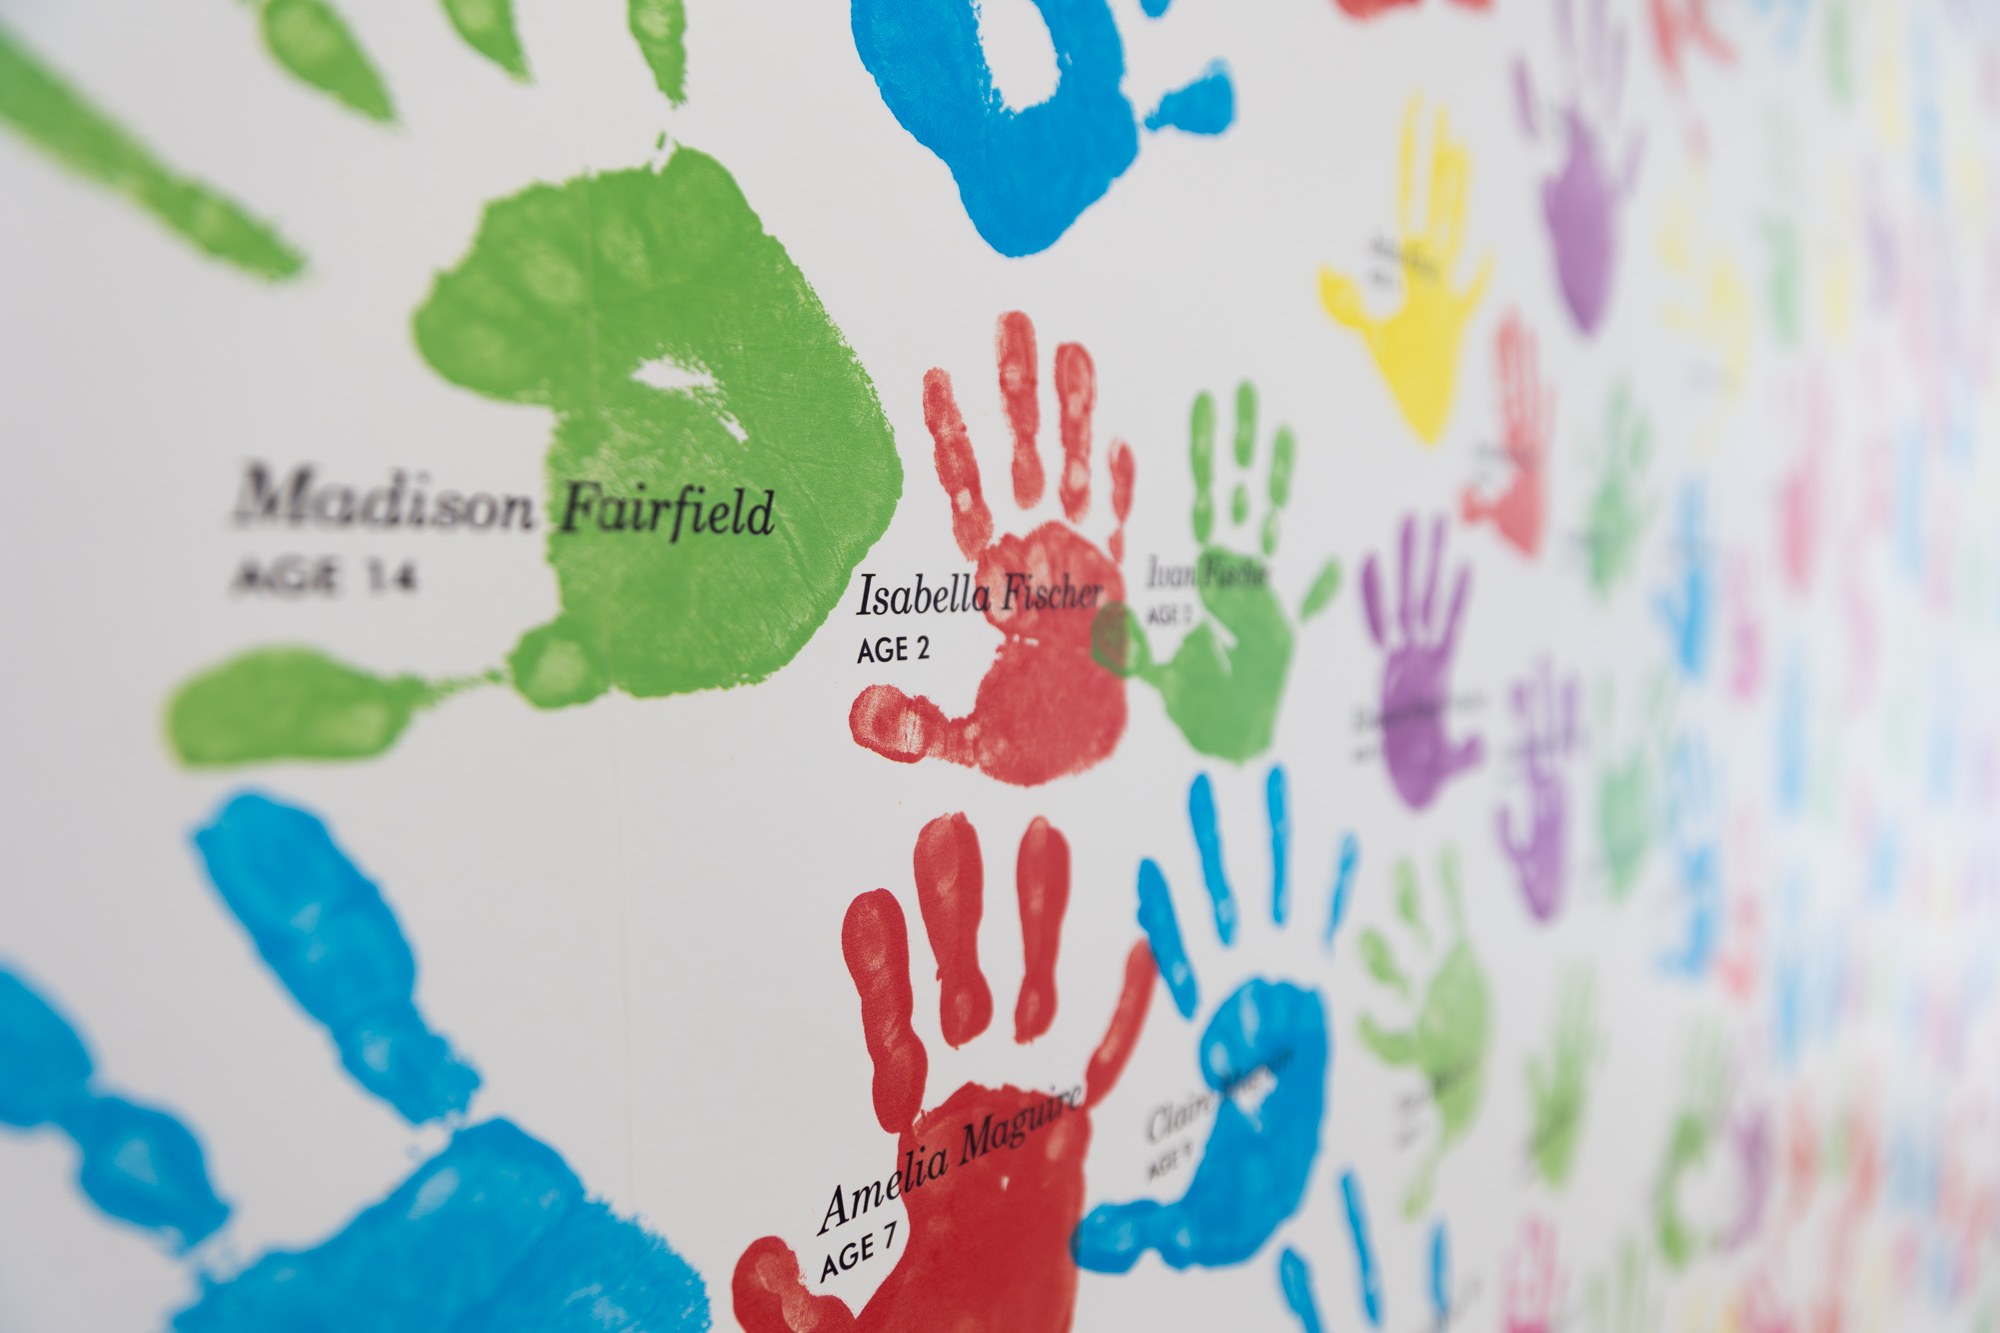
(1268, 1036)
(1688, 611)
(1295, 1274)
(1024, 176)
(1693, 820)
(494, 1233)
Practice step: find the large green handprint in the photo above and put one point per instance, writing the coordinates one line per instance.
(1453, 1032)
(1223, 685)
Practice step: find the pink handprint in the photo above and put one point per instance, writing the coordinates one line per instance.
(1548, 715)
(1045, 708)
(1415, 688)
(1527, 411)
(1581, 201)
(1531, 1294)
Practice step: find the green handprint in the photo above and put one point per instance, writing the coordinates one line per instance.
(1689, 1140)
(1625, 820)
(1619, 511)
(1627, 1298)
(1453, 1032)
(1558, 1089)
(1223, 685)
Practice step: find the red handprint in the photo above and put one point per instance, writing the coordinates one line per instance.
(1680, 24)
(1045, 709)
(1527, 408)
(992, 1177)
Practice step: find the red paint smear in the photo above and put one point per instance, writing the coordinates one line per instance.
(957, 469)
(950, 893)
(1045, 709)
(1041, 878)
(1528, 417)
(1076, 399)
(1014, 350)
(876, 944)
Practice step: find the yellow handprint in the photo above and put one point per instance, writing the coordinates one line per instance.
(1417, 347)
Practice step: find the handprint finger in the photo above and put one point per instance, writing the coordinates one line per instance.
(1461, 589)
(1433, 568)
(1407, 546)
(957, 468)
(1014, 352)
(1208, 841)
(1245, 448)
(1201, 462)
(876, 944)
(1076, 398)
(1121, 1035)
(488, 28)
(1122, 470)
(1343, 886)
(1295, 1282)
(1163, 934)
(1367, 1277)
(1371, 599)
(950, 893)
(1406, 175)
(1284, 454)
(1276, 806)
(769, 1294)
(1041, 880)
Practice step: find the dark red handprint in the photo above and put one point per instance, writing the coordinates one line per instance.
(1045, 708)
(1415, 679)
(1527, 412)
(992, 1177)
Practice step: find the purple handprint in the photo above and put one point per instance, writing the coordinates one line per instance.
(1581, 201)
(1548, 716)
(1414, 688)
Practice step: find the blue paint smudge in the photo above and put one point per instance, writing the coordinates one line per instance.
(139, 1165)
(1688, 611)
(1367, 1278)
(1208, 840)
(323, 928)
(1253, 1172)
(493, 1234)
(1023, 176)
(1163, 933)
(1343, 886)
(1205, 106)
(1440, 1275)
(1281, 843)
(1296, 1282)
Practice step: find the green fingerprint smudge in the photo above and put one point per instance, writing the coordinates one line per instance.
(60, 121)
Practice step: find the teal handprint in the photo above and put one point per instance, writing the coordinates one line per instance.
(1223, 685)
(1453, 1030)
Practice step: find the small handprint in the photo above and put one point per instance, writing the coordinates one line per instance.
(1711, 305)
(1527, 408)
(1264, 1053)
(1680, 26)
(1416, 349)
(1690, 1137)
(1581, 203)
(493, 1231)
(1694, 829)
(1625, 1297)
(1451, 1031)
(1020, 1205)
(1547, 711)
(1532, 1290)
(1416, 691)
(1023, 175)
(1045, 709)
(1687, 610)
(1558, 1086)
(1619, 508)
(1223, 686)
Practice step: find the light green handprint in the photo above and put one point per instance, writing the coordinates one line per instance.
(1626, 1298)
(1453, 1032)
(1558, 1088)
(1619, 511)
(1690, 1139)
(1223, 685)
(1625, 820)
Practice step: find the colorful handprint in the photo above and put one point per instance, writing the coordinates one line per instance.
(1223, 685)
(1417, 348)
(1581, 202)
(1023, 175)
(1533, 1287)
(1559, 1085)
(1687, 609)
(1265, 1045)
(1540, 854)
(1019, 1206)
(1451, 1031)
(1045, 709)
(1416, 689)
(493, 1231)
(1619, 509)
(1527, 417)
(1694, 830)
